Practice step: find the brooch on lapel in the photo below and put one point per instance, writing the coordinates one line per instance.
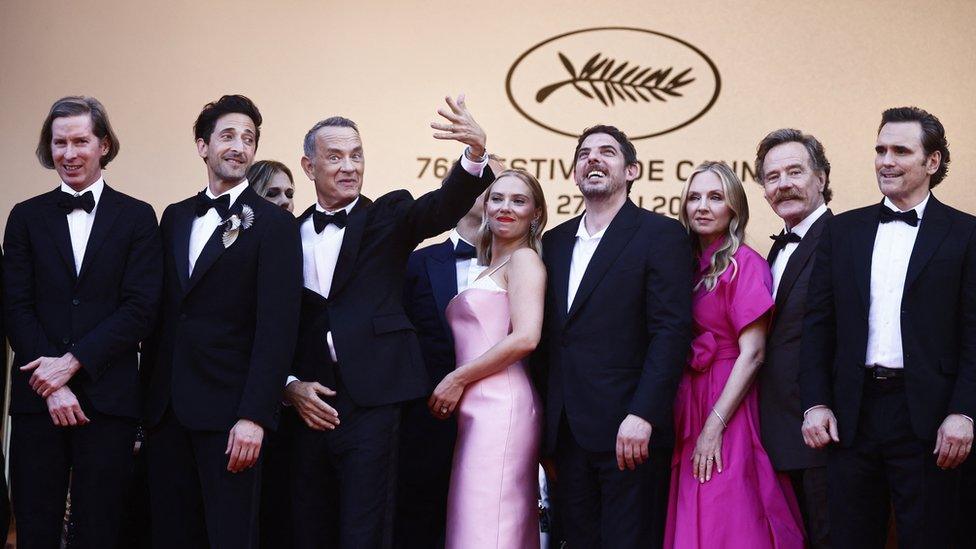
(234, 224)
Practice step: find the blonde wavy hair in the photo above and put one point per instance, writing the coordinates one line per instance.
(534, 236)
(735, 197)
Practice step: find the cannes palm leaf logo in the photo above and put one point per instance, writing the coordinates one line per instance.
(601, 78)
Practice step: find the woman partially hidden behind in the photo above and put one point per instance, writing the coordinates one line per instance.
(724, 492)
(496, 322)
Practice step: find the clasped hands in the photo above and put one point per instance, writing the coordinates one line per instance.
(49, 379)
(953, 442)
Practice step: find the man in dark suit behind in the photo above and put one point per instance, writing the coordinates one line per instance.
(889, 346)
(616, 337)
(795, 175)
(81, 287)
(435, 274)
(224, 344)
(357, 348)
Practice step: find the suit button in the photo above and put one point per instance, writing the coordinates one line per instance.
(75, 302)
(65, 340)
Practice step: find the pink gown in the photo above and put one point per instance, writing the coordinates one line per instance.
(748, 505)
(493, 496)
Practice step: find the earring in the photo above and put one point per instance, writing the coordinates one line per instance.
(534, 226)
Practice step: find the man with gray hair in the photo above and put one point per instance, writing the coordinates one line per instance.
(358, 357)
(793, 169)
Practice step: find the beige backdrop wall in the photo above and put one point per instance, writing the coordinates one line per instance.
(829, 68)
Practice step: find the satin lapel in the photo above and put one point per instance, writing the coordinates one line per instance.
(618, 234)
(57, 223)
(934, 227)
(799, 259)
(182, 224)
(346, 263)
(861, 250)
(442, 273)
(561, 257)
(212, 250)
(106, 213)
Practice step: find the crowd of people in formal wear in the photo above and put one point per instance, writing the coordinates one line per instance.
(252, 379)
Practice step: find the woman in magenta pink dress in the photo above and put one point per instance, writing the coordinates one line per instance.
(724, 491)
(496, 322)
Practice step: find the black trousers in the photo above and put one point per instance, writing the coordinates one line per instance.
(196, 502)
(601, 506)
(275, 514)
(810, 487)
(96, 459)
(888, 463)
(343, 481)
(423, 477)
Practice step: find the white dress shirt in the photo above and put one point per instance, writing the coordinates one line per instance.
(203, 227)
(466, 269)
(779, 264)
(583, 252)
(320, 252)
(889, 265)
(80, 222)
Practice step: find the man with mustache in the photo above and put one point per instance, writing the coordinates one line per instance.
(888, 357)
(614, 344)
(229, 319)
(795, 175)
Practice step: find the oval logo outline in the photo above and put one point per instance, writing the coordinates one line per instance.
(697, 51)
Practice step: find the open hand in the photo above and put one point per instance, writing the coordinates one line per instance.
(64, 408)
(304, 396)
(461, 127)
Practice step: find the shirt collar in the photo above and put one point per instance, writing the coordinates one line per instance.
(804, 226)
(234, 192)
(919, 208)
(455, 236)
(348, 208)
(582, 234)
(96, 189)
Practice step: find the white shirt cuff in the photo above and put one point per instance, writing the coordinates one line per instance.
(813, 408)
(290, 379)
(472, 167)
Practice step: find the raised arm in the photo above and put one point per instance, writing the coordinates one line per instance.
(526, 279)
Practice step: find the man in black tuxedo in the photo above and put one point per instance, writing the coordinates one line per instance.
(81, 287)
(435, 274)
(795, 174)
(357, 348)
(231, 298)
(616, 337)
(890, 346)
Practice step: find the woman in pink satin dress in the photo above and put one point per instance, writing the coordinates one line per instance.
(496, 322)
(724, 491)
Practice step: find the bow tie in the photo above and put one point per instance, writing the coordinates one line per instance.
(321, 220)
(463, 250)
(785, 238)
(888, 215)
(70, 202)
(221, 204)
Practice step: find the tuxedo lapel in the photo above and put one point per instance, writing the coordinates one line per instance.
(561, 257)
(862, 249)
(57, 223)
(618, 234)
(933, 229)
(442, 273)
(214, 248)
(346, 263)
(108, 210)
(182, 225)
(799, 259)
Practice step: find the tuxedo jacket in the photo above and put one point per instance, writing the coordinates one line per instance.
(623, 345)
(938, 318)
(100, 314)
(380, 361)
(779, 395)
(430, 285)
(226, 335)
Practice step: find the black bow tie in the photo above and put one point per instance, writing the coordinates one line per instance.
(785, 238)
(888, 215)
(463, 250)
(221, 204)
(84, 201)
(321, 220)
